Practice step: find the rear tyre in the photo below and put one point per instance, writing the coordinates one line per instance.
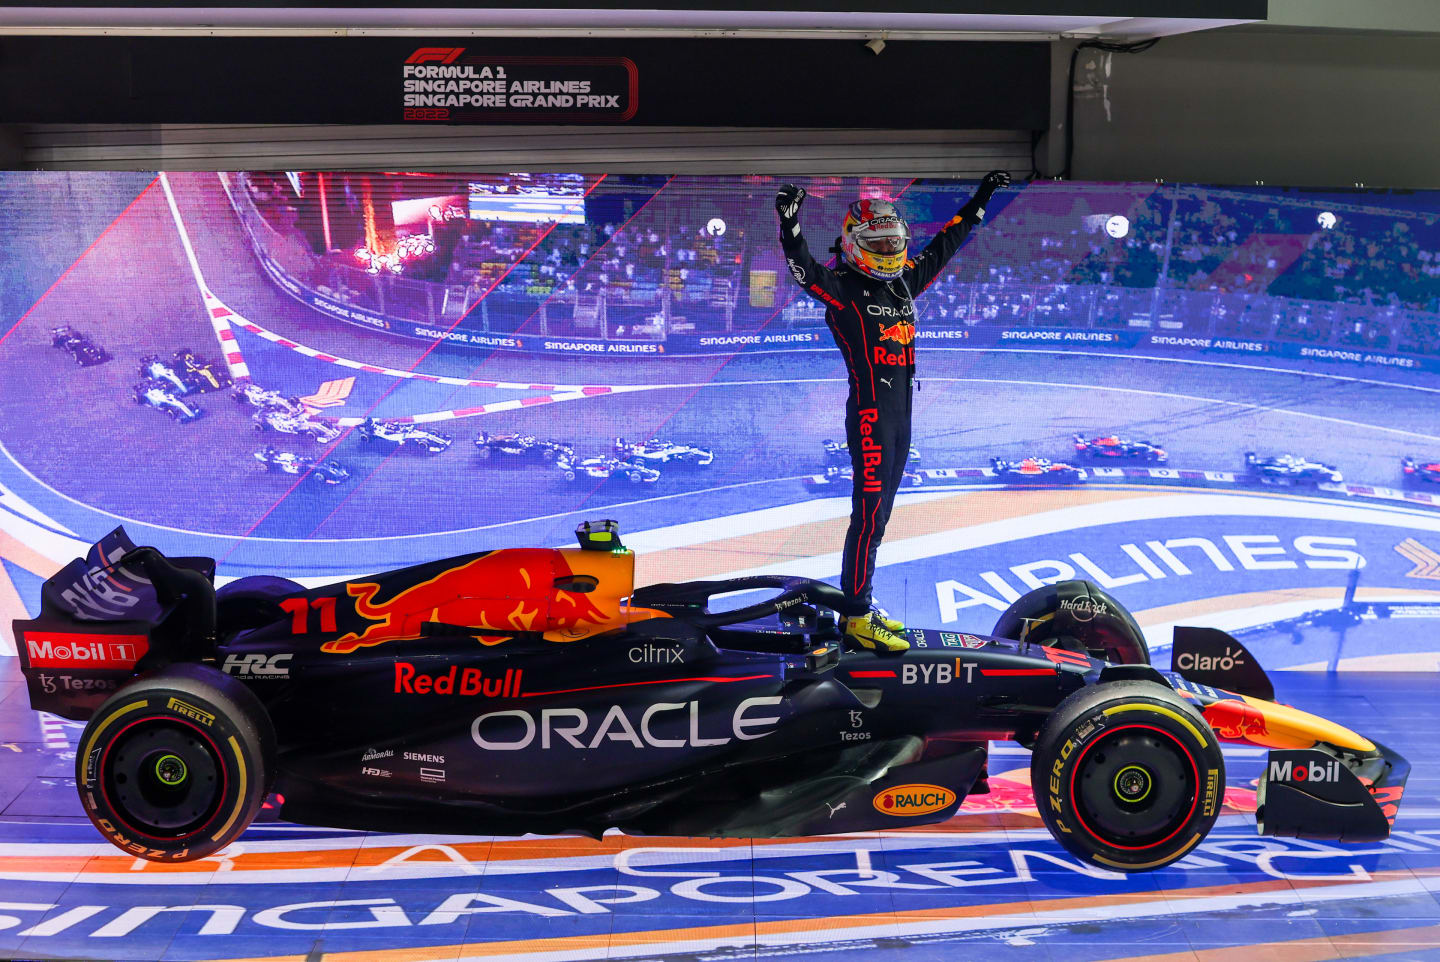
(1077, 616)
(1127, 776)
(175, 765)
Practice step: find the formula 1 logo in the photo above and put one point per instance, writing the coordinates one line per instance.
(435, 55)
(331, 393)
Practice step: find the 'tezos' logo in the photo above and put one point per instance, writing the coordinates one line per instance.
(63, 650)
(1288, 771)
(435, 55)
(908, 800)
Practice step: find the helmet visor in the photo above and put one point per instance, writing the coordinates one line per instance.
(883, 235)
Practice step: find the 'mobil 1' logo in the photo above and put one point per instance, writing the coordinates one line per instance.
(913, 800)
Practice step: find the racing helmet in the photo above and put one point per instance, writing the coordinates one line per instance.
(875, 239)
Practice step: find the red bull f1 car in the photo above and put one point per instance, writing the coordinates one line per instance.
(1114, 446)
(1037, 471)
(1421, 470)
(538, 690)
(79, 346)
(521, 446)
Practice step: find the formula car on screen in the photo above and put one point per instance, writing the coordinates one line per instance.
(79, 346)
(838, 452)
(248, 393)
(521, 446)
(398, 434)
(199, 374)
(656, 451)
(538, 690)
(1114, 446)
(845, 476)
(1038, 471)
(154, 368)
(160, 396)
(1421, 470)
(286, 462)
(1291, 468)
(603, 469)
(284, 422)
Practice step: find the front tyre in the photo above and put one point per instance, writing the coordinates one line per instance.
(1127, 776)
(175, 765)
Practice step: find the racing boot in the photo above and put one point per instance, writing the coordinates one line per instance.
(894, 624)
(868, 631)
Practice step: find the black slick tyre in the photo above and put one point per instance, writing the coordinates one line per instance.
(174, 766)
(1127, 775)
(252, 602)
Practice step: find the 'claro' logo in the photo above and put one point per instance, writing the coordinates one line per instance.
(913, 800)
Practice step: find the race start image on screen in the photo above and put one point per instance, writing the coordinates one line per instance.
(1218, 404)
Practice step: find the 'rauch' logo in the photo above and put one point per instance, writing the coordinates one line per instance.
(913, 800)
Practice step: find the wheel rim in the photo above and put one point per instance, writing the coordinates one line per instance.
(163, 778)
(1134, 787)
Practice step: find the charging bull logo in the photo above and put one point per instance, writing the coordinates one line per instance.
(902, 333)
(497, 594)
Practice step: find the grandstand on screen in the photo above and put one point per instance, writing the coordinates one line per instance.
(639, 258)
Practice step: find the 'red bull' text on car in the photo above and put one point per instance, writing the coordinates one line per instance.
(537, 690)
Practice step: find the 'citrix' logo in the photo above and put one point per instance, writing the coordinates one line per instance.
(1304, 772)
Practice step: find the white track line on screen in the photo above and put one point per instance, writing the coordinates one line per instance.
(219, 322)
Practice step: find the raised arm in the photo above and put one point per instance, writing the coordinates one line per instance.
(923, 270)
(817, 279)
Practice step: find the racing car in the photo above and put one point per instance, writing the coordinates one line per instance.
(199, 374)
(153, 368)
(275, 419)
(846, 475)
(604, 469)
(398, 434)
(656, 451)
(85, 351)
(521, 445)
(158, 395)
(1114, 446)
(1038, 470)
(838, 452)
(1292, 468)
(249, 393)
(322, 472)
(1421, 470)
(538, 690)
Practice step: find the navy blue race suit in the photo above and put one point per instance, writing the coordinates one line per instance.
(873, 323)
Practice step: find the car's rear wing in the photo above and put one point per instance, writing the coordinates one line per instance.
(104, 615)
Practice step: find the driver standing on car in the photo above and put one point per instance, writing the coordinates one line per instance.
(869, 299)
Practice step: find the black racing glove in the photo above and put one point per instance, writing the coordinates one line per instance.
(990, 183)
(788, 201)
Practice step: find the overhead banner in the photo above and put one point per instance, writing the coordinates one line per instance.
(656, 82)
